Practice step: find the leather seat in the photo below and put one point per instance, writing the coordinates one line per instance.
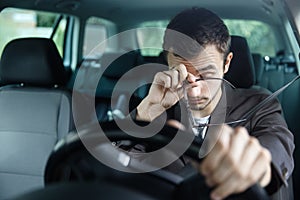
(35, 112)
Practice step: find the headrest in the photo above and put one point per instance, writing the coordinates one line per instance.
(32, 61)
(162, 59)
(119, 63)
(241, 71)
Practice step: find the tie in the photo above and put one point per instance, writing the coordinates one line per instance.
(200, 130)
(199, 138)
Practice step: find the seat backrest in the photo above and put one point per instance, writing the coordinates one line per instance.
(241, 72)
(35, 113)
(118, 65)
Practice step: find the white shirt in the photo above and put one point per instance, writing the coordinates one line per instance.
(198, 121)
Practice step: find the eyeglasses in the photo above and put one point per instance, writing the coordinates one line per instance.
(211, 84)
(211, 79)
(246, 116)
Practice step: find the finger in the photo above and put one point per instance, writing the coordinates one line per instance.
(180, 93)
(213, 159)
(172, 78)
(163, 79)
(156, 92)
(169, 99)
(258, 170)
(176, 124)
(182, 72)
(242, 173)
(260, 166)
(246, 177)
(226, 188)
(231, 161)
(250, 155)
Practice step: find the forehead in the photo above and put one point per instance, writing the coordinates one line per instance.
(208, 56)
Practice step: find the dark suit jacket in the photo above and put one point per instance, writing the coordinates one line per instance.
(267, 125)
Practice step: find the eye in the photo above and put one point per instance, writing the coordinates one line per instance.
(207, 75)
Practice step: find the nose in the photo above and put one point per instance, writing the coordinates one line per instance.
(192, 80)
(194, 87)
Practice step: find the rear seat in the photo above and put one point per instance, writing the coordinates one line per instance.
(273, 76)
(118, 64)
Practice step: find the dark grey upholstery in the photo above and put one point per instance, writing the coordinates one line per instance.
(241, 72)
(117, 65)
(33, 61)
(259, 66)
(33, 116)
(113, 66)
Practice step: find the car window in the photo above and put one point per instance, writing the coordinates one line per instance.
(153, 38)
(95, 33)
(59, 35)
(20, 23)
(259, 35)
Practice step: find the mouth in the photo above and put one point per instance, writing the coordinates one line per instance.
(197, 101)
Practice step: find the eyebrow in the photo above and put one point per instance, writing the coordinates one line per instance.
(209, 67)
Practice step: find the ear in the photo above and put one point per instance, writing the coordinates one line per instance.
(227, 62)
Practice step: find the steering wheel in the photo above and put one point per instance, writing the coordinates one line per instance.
(72, 162)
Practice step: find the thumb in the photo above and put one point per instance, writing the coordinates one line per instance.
(176, 124)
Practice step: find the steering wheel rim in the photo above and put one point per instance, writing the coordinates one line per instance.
(72, 145)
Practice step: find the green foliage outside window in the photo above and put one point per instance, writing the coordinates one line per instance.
(20, 23)
(45, 19)
(258, 34)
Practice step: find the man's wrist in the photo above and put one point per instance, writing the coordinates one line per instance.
(141, 111)
(147, 111)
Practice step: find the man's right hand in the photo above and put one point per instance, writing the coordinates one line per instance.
(166, 90)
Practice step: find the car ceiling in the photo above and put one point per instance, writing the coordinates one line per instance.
(135, 11)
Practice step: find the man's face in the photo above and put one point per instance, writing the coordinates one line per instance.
(203, 95)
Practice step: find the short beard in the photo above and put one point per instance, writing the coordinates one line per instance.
(200, 108)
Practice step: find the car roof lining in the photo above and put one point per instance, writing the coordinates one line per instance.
(118, 10)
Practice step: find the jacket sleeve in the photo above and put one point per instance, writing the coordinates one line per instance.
(270, 128)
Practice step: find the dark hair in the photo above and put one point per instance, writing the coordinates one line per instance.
(202, 26)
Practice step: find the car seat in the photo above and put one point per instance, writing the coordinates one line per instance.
(35, 112)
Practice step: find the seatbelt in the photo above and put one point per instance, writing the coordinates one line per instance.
(252, 111)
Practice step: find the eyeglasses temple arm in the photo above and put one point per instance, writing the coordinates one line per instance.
(251, 112)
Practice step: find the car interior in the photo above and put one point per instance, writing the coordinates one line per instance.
(67, 65)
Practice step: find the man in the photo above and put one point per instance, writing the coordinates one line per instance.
(261, 150)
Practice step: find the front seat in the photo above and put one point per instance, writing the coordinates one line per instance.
(35, 113)
(241, 64)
